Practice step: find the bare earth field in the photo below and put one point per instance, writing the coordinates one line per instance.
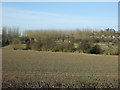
(34, 69)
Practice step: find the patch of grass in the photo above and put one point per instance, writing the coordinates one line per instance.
(11, 47)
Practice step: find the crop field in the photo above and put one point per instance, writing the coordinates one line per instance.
(35, 69)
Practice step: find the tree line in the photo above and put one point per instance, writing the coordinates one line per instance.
(83, 41)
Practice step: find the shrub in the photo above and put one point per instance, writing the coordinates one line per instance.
(111, 51)
(96, 49)
(35, 46)
(15, 43)
(57, 48)
(85, 46)
(63, 47)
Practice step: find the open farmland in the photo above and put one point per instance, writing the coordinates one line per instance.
(34, 69)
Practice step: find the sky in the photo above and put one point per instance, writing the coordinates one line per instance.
(0, 18)
(60, 15)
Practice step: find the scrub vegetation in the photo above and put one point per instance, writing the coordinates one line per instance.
(82, 41)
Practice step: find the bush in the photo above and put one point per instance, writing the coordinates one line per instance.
(96, 40)
(111, 51)
(15, 43)
(35, 46)
(57, 48)
(96, 49)
(68, 47)
(63, 47)
(85, 46)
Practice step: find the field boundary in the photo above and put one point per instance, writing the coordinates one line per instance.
(59, 74)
